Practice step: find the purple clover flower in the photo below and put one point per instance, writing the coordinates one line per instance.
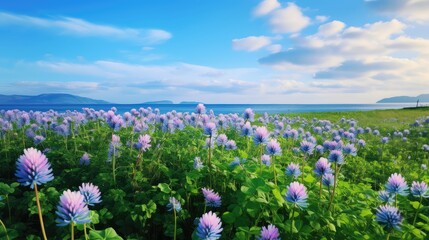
(209, 227)
(419, 189)
(197, 163)
(269, 233)
(273, 148)
(266, 160)
(328, 180)
(350, 149)
(33, 168)
(212, 199)
(260, 136)
(307, 147)
(143, 142)
(293, 170)
(221, 140)
(322, 167)
(336, 156)
(210, 129)
(396, 184)
(248, 115)
(389, 217)
(91, 193)
(246, 130)
(174, 204)
(200, 109)
(72, 209)
(230, 145)
(386, 197)
(85, 159)
(297, 194)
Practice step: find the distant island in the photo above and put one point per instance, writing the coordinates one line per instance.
(405, 99)
(159, 102)
(48, 99)
(189, 102)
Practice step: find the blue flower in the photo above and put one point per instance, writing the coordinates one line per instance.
(33, 168)
(297, 194)
(174, 204)
(336, 156)
(209, 227)
(293, 170)
(389, 217)
(269, 233)
(396, 184)
(72, 209)
(91, 193)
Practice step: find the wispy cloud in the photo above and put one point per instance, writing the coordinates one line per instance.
(411, 10)
(80, 27)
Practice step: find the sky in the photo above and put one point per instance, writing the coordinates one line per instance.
(223, 51)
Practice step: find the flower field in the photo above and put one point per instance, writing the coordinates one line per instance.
(151, 175)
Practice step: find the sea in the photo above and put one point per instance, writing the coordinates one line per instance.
(217, 108)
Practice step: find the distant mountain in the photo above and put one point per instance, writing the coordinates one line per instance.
(405, 99)
(48, 98)
(160, 102)
(189, 102)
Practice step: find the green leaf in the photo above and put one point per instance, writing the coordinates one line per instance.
(332, 227)
(415, 204)
(164, 187)
(106, 234)
(228, 217)
(366, 212)
(278, 196)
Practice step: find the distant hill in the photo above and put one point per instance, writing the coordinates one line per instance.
(405, 99)
(48, 98)
(189, 102)
(160, 102)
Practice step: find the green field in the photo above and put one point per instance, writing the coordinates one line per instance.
(137, 177)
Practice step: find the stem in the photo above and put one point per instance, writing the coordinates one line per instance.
(114, 165)
(260, 157)
(303, 165)
(388, 236)
(320, 189)
(274, 170)
(417, 211)
(72, 230)
(84, 230)
(291, 225)
(39, 209)
(335, 186)
(5, 230)
(175, 223)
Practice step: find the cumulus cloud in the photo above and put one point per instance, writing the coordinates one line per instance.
(251, 43)
(288, 20)
(412, 10)
(265, 7)
(80, 27)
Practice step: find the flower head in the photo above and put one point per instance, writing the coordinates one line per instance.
(322, 167)
(209, 227)
(212, 198)
(307, 147)
(273, 148)
(384, 140)
(297, 194)
(247, 129)
(210, 129)
(174, 204)
(293, 170)
(85, 159)
(221, 140)
(266, 160)
(200, 109)
(389, 217)
(260, 136)
(33, 168)
(91, 193)
(72, 209)
(396, 184)
(420, 189)
(385, 197)
(248, 115)
(197, 163)
(336, 156)
(143, 142)
(269, 233)
(328, 180)
(350, 149)
(230, 145)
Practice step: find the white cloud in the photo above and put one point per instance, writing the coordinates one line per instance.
(274, 48)
(331, 28)
(81, 27)
(265, 7)
(288, 20)
(251, 43)
(321, 19)
(412, 10)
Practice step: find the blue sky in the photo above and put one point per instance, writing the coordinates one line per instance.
(247, 51)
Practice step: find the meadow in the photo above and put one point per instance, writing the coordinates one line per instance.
(151, 175)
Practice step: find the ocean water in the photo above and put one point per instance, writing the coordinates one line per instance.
(217, 108)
